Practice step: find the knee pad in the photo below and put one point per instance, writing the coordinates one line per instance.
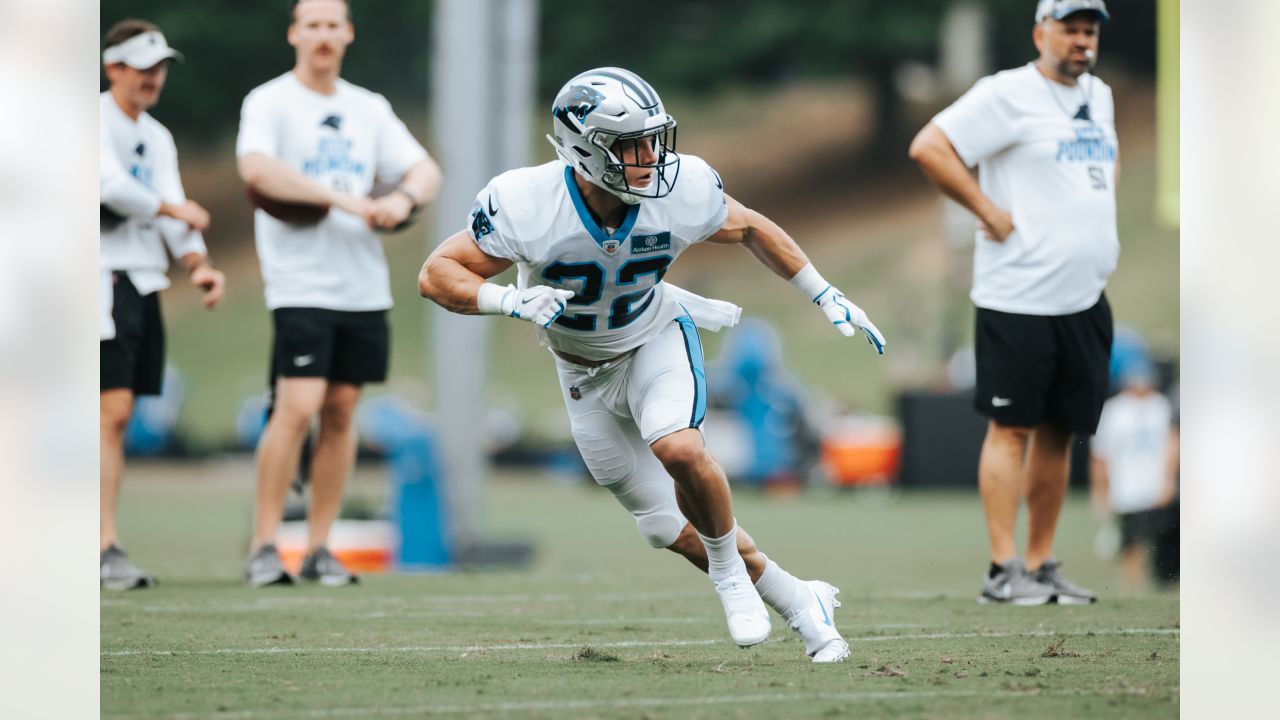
(660, 528)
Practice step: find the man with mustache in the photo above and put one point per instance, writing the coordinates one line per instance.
(309, 139)
(1043, 137)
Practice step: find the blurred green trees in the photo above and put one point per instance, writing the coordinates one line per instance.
(681, 46)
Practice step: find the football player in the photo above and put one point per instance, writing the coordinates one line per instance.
(592, 235)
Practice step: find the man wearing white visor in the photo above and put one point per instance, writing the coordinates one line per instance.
(144, 213)
(1044, 140)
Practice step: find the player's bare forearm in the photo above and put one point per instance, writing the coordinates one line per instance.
(278, 181)
(422, 181)
(770, 244)
(935, 155)
(453, 274)
(192, 260)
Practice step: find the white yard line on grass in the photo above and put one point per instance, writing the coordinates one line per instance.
(291, 603)
(647, 702)
(1026, 633)
(285, 602)
(410, 648)
(617, 644)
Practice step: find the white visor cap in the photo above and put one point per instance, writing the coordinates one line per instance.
(141, 52)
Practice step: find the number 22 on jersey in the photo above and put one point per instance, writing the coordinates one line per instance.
(625, 308)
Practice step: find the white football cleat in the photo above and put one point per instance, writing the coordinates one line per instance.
(747, 616)
(816, 625)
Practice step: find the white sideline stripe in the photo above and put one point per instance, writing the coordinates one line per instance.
(412, 648)
(290, 603)
(617, 644)
(1026, 633)
(623, 703)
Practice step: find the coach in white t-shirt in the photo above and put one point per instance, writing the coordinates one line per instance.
(1043, 138)
(145, 212)
(310, 148)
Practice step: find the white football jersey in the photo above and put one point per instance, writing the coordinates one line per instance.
(1046, 153)
(536, 217)
(345, 141)
(137, 170)
(1133, 438)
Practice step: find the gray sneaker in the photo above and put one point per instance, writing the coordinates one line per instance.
(266, 569)
(117, 573)
(1013, 584)
(322, 566)
(1068, 592)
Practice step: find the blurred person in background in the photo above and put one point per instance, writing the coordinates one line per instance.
(144, 211)
(750, 380)
(1043, 138)
(1135, 466)
(310, 149)
(593, 234)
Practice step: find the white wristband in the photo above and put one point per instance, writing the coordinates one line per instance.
(810, 282)
(489, 299)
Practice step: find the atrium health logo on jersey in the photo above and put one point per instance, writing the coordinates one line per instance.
(1090, 145)
(641, 244)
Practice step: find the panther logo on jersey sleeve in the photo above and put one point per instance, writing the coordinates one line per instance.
(481, 225)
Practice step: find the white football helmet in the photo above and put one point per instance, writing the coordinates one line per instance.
(601, 107)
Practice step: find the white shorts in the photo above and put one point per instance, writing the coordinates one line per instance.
(618, 409)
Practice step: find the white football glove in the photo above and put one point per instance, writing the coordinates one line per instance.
(540, 305)
(847, 317)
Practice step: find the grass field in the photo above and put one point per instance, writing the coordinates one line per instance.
(603, 626)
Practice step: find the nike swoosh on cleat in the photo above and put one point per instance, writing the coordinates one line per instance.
(825, 618)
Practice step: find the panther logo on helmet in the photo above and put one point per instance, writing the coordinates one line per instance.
(582, 101)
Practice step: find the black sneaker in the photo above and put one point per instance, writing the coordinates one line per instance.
(266, 569)
(1068, 593)
(117, 573)
(1014, 585)
(323, 567)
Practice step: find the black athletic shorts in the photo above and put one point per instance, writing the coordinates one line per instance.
(1044, 368)
(340, 346)
(1142, 527)
(134, 359)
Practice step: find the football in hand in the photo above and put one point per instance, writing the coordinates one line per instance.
(293, 213)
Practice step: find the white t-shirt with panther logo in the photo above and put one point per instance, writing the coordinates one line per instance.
(537, 218)
(1053, 168)
(345, 140)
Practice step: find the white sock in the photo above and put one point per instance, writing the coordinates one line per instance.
(781, 590)
(723, 559)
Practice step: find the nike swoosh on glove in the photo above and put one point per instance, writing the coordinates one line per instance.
(848, 318)
(540, 305)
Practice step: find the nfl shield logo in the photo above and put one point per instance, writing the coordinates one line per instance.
(611, 246)
(575, 393)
